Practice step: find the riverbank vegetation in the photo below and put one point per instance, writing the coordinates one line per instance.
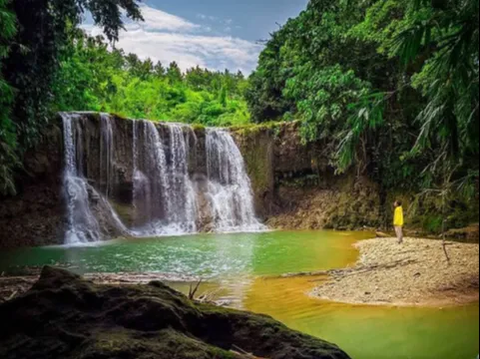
(391, 89)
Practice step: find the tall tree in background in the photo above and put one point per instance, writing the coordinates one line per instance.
(377, 82)
(448, 36)
(8, 143)
(174, 74)
(33, 59)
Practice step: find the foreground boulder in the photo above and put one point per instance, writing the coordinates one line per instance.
(66, 317)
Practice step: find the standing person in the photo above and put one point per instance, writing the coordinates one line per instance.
(399, 221)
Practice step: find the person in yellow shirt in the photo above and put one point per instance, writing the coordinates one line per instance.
(399, 221)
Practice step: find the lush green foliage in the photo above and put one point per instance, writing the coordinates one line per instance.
(391, 87)
(29, 62)
(8, 140)
(94, 78)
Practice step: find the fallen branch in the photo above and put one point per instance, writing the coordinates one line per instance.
(305, 274)
(13, 295)
(242, 353)
(193, 291)
(208, 297)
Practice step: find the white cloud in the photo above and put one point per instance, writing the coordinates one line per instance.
(166, 38)
(188, 51)
(157, 20)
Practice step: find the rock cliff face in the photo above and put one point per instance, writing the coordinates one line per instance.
(294, 187)
(36, 215)
(64, 316)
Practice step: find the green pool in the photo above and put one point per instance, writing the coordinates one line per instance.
(244, 269)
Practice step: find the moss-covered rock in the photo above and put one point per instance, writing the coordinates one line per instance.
(66, 317)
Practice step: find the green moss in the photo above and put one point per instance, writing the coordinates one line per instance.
(256, 150)
(89, 321)
(120, 116)
(254, 129)
(306, 181)
(164, 344)
(199, 128)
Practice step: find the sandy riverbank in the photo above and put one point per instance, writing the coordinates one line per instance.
(413, 274)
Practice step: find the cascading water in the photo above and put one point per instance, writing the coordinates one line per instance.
(106, 153)
(230, 187)
(165, 191)
(164, 197)
(82, 226)
(150, 182)
(181, 197)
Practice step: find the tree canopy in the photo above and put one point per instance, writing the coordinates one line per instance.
(8, 137)
(32, 36)
(391, 87)
(93, 77)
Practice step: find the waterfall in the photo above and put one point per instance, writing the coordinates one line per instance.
(164, 197)
(106, 152)
(230, 188)
(181, 197)
(150, 181)
(164, 191)
(82, 226)
(83, 218)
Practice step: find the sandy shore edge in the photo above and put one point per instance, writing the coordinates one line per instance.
(415, 273)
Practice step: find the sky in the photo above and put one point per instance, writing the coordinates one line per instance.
(214, 34)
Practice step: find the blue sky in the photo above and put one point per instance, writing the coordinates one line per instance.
(210, 33)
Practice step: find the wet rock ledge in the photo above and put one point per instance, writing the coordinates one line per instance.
(65, 316)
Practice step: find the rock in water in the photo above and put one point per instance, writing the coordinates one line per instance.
(66, 317)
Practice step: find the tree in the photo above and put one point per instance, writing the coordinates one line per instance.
(8, 138)
(159, 70)
(437, 42)
(32, 62)
(197, 78)
(174, 74)
(449, 78)
(391, 89)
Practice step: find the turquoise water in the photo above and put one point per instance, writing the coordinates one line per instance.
(244, 269)
(209, 256)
